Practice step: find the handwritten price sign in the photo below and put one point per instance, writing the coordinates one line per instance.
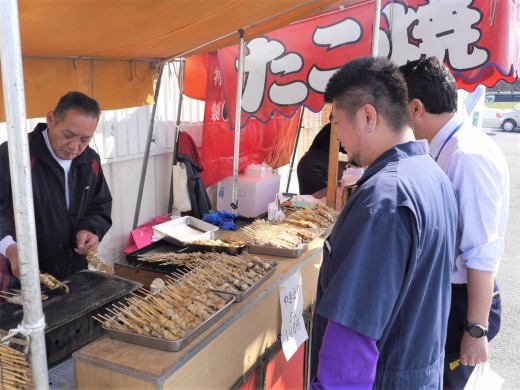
(293, 332)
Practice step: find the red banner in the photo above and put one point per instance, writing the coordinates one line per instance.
(259, 142)
(290, 67)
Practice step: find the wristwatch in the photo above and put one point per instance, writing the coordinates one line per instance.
(475, 330)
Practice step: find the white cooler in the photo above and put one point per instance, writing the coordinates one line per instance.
(253, 196)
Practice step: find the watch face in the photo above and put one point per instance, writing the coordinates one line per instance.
(476, 331)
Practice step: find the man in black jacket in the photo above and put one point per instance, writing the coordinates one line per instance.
(313, 167)
(72, 201)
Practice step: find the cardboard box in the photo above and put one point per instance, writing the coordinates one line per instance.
(253, 196)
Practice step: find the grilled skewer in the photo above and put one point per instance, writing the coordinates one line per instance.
(93, 259)
(52, 283)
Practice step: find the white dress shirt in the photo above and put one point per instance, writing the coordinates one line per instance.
(478, 170)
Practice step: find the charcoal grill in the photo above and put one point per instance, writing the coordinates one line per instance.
(68, 317)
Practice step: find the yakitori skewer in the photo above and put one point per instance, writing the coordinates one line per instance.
(93, 259)
(15, 371)
(52, 283)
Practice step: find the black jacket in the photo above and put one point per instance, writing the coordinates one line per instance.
(56, 227)
(199, 199)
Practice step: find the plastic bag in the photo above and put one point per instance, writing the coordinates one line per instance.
(181, 196)
(484, 378)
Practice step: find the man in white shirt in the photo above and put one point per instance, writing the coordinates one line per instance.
(478, 170)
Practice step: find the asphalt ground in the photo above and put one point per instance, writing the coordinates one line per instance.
(505, 348)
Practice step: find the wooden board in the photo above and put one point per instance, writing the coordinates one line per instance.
(93, 377)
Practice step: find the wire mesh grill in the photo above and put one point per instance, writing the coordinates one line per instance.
(89, 290)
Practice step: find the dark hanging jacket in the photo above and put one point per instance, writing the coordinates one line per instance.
(56, 226)
(200, 202)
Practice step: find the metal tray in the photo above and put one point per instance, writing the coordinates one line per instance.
(171, 345)
(274, 251)
(183, 230)
(239, 297)
(160, 246)
(326, 231)
(230, 250)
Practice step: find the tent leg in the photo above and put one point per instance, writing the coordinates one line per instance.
(295, 149)
(182, 70)
(147, 149)
(333, 167)
(238, 117)
(20, 168)
(375, 32)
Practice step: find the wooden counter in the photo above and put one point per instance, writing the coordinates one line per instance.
(217, 358)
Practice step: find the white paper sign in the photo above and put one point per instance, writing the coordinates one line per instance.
(293, 332)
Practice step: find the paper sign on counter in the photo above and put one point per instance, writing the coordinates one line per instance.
(293, 332)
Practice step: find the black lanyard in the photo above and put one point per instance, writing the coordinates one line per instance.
(447, 139)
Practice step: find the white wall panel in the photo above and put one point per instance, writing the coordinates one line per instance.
(162, 174)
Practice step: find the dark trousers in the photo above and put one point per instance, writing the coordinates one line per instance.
(456, 379)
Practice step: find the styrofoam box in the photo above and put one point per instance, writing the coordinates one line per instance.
(253, 195)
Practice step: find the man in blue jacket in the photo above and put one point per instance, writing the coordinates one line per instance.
(383, 294)
(72, 201)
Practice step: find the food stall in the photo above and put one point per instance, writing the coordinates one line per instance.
(125, 49)
(245, 333)
(231, 347)
(220, 357)
(246, 328)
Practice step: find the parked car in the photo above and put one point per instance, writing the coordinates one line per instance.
(492, 118)
(511, 119)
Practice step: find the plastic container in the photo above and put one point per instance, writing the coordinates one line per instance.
(258, 170)
(253, 194)
(274, 210)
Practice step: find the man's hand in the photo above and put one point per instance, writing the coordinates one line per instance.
(480, 294)
(12, 255)
(473, 351)
(85, 240)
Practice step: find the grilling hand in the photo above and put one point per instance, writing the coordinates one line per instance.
(12, 255)
(85, 240)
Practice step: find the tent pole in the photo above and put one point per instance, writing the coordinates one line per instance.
(33, 322)
(294, 150)
(147, 149)
(238, 116)
(375, 31)
(182, 71)
(332, 171)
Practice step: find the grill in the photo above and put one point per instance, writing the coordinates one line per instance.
(68, 317)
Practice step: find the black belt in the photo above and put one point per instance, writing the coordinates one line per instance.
(462, 286)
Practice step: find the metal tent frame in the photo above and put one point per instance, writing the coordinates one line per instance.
(33, 323)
